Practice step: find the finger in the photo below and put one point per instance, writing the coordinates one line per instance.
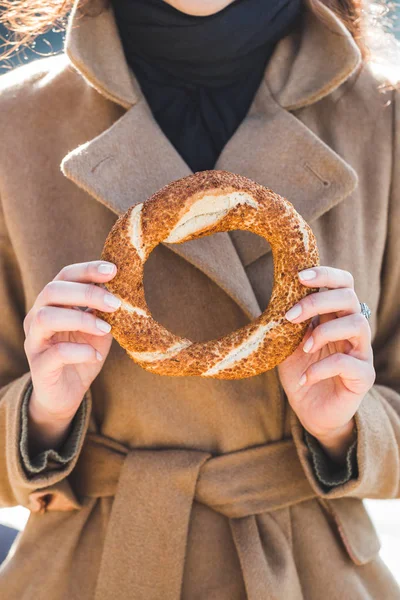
(326, 277)
(343, 301)
(96, 271)
(354, 328)
(67, 293)
(66, 353)
(50, 320)
(85, 272)
(357, 375)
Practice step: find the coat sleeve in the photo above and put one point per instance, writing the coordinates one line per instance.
(378, 416)
(22, 476)
(40, 462)
(327, 472)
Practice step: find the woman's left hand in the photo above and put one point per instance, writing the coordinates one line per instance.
(328, 375)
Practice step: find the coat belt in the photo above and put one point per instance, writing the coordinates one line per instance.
(154, 489)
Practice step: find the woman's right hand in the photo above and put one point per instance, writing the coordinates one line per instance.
(66, 347)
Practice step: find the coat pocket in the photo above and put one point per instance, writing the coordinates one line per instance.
(354, 525)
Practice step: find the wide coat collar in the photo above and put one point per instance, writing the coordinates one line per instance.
(133, 158)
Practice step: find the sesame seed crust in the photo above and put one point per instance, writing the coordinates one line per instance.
(186, 209)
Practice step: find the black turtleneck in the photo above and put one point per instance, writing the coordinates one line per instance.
(199, 75)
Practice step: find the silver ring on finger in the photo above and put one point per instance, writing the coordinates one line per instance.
(82, 308)
(365, 310)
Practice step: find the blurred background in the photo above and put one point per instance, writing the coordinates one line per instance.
(385, 513)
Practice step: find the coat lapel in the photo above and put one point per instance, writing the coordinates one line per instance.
(133, 158)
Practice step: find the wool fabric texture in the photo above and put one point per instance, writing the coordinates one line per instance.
(320, 133)
(200, 73)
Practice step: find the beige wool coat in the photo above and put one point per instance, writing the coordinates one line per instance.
(196, 488)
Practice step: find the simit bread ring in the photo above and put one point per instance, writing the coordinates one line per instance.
(189, 208)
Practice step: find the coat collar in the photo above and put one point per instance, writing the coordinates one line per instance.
(296, 74)
(271, 146)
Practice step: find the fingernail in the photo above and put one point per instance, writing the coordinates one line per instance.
(307, 274)
(103, 325)
(105, 268)
(111, 300)
(98, 355)
(302, 380)
(294, 312)
(308, 345)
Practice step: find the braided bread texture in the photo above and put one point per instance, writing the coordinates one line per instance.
(198, 205)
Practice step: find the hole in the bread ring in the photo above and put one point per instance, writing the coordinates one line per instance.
(185, 300)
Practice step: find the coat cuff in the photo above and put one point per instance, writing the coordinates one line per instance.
(40, 462)
(48, 490)
(378, 442)
(328, 472)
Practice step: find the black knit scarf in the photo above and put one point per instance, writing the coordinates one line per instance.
(199, 74)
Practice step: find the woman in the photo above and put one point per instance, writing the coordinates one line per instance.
(151, 487)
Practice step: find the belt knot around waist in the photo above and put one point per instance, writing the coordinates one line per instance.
(236, 484)
(154, 489)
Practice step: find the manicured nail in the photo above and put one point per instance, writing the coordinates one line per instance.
(302, 380)
(308, 345)
(307, 274)
(111, 300)
(98, 355)
(105, 268)
(103, 325)
(294, 312)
